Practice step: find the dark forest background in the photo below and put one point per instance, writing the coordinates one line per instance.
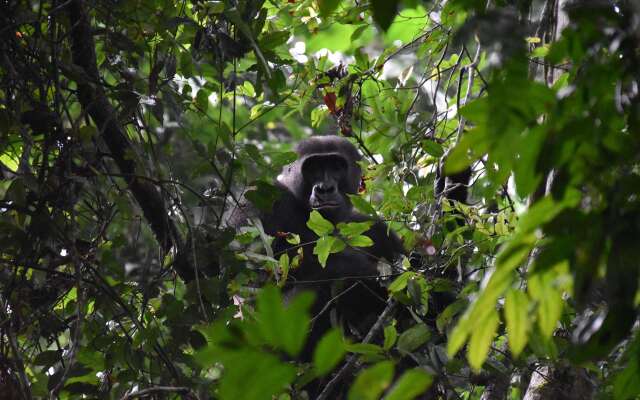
(129, 129)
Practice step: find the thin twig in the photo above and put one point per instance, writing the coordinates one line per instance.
(160, 389)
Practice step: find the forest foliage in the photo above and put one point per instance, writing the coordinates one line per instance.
(129, 129)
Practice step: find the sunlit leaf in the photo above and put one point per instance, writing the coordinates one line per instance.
(516, 310)
(318, 224)
(328, 352)
(481, 338)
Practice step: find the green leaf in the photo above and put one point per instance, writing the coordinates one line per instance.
(410, 385)
(214, 7)
(432, 148)
(269, 375)
(400, 282)
(323, 248)
(371, 382)
(360, 241)
(329, 351)
(540, 51)
(481, 339)
(448, 313)
(318, 115)
(271, 40)
(284, 264)
(281, 158)
(413, 338)
(354, 228)
(327, 7)
(512, 255)
(202, 100)
(283, 328)
(516, 310)
(390, 336)
(542, 288)
(47, 358)
(361, 204)
(384, 11)
(626, 384)
(319, 225)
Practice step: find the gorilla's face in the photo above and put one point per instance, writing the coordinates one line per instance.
(325, 178)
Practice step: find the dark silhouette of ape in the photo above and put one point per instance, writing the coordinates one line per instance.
(347, 288)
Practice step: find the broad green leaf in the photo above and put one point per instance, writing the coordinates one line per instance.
(318, 224)
(626, 384)
(202, 100)
(384, 11)
(362, 205)
(338, 246)
(47, 358)
(413, 338)
(410, 385)
(318, 115)
(390, 336)
(360, 241)
(400, 282)
(516, 310)
(371, 382)
(481, 339)
(293, 239)
(269, 375)
(408, 24)
(541, 212)
(540, 51)
(549, 298)
(448, 313)
(432, 148)
(281, 158)
(513, 254)
(329, 351)
(323, 248)
(327, 7)
(283, 328)
(354, 228)
(525, 173)
(271, 40)
(214, 7)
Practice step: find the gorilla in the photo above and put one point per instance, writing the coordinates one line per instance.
(347, 289)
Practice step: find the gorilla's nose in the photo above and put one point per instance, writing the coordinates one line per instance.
(325, 188)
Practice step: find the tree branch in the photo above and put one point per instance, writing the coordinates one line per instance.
(95, 102)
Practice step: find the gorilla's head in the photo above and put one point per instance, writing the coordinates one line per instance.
(325, 172)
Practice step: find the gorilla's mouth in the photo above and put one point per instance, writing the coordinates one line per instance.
(325, 205)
